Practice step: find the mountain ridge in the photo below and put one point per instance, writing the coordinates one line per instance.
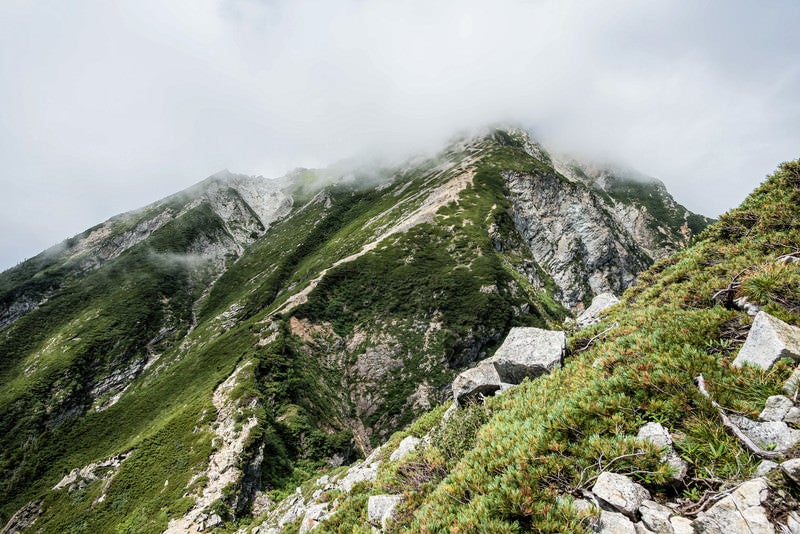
(344, 312)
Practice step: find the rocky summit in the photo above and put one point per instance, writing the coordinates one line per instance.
(496, 338)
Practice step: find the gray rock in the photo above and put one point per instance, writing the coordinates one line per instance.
(365, 471)
(769, 340)
(793, 523)
(681, 525)
(381, 507)
(656, 517)
(771, 435)
(765, 467)
(479, 380)
(408, 444)
(583, 506)
(641, 529)
(214, 521)
(792, 469)
(529, 352)
(776, 408)
(749, 308)
(620, 492)
(600, 303)
(614, 523)
(313, 517)
(792, 416)
(741, 511)
(660, 437)
(791, 386)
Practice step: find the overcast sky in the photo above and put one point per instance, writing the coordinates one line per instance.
(107, 106)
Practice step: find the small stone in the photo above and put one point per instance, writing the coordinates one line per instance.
(641, 529)
(614, 523)
(620, 492)
(660, 437)
(765, 467)
(769, 340)
(380, 508)
(656, 516)
(792, 384)
(582, 506)
(776, 408)
(792, 469)
(529, 352)
(408, 444)
(480, 380)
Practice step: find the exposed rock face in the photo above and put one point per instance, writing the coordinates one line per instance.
(528, 353)
(620, 492)
(600, 303)
(572, 238)
(769, 340)
(380, 508)
(23, 518)
(408, 444)
(741, 511)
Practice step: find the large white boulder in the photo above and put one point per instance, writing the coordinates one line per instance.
(529, 352)
(769, 340)
(600, 303)
(479, 380)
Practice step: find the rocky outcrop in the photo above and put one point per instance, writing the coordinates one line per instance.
(572, 238)
(405, 447)
(741, 511)
(769, 340)
(23, 519)
(380, 508)
(526, 353)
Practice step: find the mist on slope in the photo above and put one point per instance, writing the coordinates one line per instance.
(108, 107)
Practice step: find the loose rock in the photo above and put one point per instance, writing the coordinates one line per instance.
(600, 303)
(771, 435)
(656, 516)
(529, 352)
(741, 511)
(776, 408)
(769, 340)
(620, 492)
(792, 469)
(614, 523)
(765, 467)
(479, 380)
(660, 437)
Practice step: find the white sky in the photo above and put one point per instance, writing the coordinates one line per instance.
(107, 106)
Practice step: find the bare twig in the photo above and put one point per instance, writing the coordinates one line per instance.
(731, 426)
(592, 340)
(729, 291)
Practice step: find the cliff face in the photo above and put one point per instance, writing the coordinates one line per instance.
(292, 323)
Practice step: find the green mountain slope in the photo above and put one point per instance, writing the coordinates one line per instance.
(517, 463)
(232, 340)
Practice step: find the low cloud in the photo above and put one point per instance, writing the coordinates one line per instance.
(108, 106)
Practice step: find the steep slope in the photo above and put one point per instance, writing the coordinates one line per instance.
(225, 343)
(519, 462)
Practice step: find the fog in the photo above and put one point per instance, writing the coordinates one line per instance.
(105, 107)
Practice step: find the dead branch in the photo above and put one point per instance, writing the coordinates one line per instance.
(731, 426)
(595, 338)
(729, 291)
